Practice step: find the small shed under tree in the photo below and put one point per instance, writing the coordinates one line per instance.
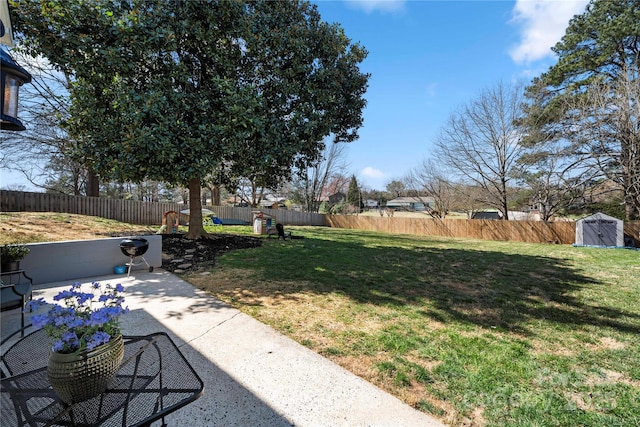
(600, 230)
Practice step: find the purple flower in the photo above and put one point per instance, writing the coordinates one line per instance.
(39, 320)
(62, 320)
(74, 323)
(98, 339)
(58, 346)
(70, 339)
(35, 304)
(64, 295)
(83, 298)
(98, 318)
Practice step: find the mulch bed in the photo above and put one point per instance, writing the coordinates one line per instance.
(204, 251)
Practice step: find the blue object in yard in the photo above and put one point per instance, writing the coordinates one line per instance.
(231, 221)
(120, 269)
(211, 220)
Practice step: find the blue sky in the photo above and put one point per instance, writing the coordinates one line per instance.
(427, 58)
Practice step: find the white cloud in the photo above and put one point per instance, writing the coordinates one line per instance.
(374, 173)
(543, 23)
(381, 5)
(372, 178)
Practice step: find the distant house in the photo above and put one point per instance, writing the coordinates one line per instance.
(269, 204)
(531, 215)
(411, 203)
(337, 198)
(371, 204)
(272, 202)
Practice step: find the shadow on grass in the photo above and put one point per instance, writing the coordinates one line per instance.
(444, 281)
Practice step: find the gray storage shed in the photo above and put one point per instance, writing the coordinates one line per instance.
(600, 230)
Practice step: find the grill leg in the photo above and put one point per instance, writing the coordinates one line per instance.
(130, 264)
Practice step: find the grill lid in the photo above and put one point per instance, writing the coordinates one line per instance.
(134, 246)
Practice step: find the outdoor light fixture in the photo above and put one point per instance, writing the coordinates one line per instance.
(12, 77)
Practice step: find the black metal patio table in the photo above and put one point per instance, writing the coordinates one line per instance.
(154, 380)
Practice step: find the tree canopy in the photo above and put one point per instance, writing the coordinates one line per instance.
(175, 91)
(481, 142)
(600, 49)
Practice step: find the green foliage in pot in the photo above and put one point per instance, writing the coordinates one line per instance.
(13, 252)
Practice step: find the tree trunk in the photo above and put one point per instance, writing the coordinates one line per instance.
(632, 206)
(93, 184)
(196, 230)
(631, 177)
(215, 195)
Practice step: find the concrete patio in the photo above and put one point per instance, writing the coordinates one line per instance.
(253, 375)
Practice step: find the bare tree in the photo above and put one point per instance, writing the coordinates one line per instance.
(315, 181)
(468, 198)
(429, 180)
(555, 175)
(250, 191)
(41, 152)
(481, 142)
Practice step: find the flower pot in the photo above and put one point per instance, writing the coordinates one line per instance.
(9, 266)
(78, 377)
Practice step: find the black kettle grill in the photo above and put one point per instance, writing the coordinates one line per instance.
(135, 247)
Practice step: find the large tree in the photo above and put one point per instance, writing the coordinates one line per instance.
(173, 91)
(607, 122)
(481, 142)
(600, 47)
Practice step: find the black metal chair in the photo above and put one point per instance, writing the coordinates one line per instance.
(14, 294)
(281, 232)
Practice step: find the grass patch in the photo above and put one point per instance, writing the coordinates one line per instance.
(474, 332)
(35, 227)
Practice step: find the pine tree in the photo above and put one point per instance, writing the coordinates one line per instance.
(354, 197)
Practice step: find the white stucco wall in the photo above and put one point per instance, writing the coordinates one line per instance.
(76, 259)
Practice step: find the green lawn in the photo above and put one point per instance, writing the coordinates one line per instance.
(474, 332)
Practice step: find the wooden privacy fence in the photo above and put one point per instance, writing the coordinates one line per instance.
(148, 213)
(130, 211)
(284, 216)
(133, 211)
(632, 229)
(561, 232)
(520, 231)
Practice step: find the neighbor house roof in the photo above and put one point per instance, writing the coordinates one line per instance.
(409, 200)
(487, 215)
